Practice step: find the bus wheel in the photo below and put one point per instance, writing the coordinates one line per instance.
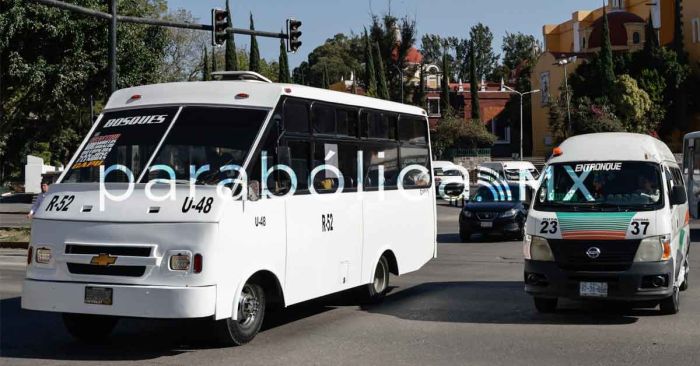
(376, 290)
(251, 310)
(546, 305)
(671, 304)
(684, 285)
(89, 328)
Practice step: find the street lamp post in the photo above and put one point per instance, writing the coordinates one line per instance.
(564, 62)
(521, 94)
(400, 79)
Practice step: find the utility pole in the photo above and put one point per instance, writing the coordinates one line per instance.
(505, 87)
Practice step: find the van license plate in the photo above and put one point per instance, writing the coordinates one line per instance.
(593, 289)
(98, 295)
(487, 224)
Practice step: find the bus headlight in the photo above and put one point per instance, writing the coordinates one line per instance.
(180, 262)
(43, 255)
(538, 249)
(654, 249)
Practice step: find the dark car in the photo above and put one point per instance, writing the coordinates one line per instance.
(493, 210)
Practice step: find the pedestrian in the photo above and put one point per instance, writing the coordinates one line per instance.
(39, 198)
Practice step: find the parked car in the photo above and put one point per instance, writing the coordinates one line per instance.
(447, 175)
(493, 210)
(509, 171)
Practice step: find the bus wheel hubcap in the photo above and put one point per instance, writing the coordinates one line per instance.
(380, 277)
(248, 307)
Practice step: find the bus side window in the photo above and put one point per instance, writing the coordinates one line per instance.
(415, 155)
(296, 116)
(375, 156)
(340, 155)
(323, 118)
(300, 153)
(346, 122)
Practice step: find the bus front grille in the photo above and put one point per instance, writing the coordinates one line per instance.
(90, 269)
(615, 255)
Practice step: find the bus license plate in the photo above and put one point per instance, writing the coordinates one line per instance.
(593, 289)
(98, 295)
(487, 224)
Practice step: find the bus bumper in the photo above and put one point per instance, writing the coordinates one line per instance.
(547, 279)
(127, 300)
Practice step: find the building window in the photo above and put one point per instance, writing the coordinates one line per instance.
(617, 4)
(544, 87)
(636, 38)
(696, 30)
(434, 107)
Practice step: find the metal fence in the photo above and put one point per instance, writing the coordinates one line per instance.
(450, 154)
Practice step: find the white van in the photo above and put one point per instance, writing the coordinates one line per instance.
(510, 172)
(220, 199)
(451, 178)
(609, 221)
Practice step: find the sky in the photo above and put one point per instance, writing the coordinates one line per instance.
(321, 19)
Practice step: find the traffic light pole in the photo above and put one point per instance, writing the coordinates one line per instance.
(113, 17)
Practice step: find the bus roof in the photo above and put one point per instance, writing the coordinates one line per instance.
(610, 146)
(233, 93)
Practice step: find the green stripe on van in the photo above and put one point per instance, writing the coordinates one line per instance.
(614, 221)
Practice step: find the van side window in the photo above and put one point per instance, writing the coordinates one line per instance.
(296, 116)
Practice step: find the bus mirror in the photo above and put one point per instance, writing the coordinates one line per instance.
(284, 156)
(678, 196)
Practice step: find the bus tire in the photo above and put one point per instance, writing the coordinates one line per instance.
(377, 289)
(89, 328)
(251, 311)
(671, 304)
(684, 285)
(546, 305)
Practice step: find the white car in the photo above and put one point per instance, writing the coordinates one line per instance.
(449, 176)
(509, 171)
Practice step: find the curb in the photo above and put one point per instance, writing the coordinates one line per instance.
(14, 245)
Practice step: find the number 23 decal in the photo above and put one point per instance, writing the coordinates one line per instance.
(549, 227)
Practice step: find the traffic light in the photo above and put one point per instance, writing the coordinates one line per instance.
(218, 26)
(293, 34)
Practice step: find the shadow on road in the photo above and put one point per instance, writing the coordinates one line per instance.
(495, 303)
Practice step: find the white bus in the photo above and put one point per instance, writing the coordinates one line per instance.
(103, 248)
(691, 170)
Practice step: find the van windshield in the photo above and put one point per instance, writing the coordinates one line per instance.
(127, 139)
(604, 186)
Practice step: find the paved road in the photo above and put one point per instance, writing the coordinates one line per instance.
(465, 308)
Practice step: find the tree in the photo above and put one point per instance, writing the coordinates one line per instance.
(519, 50)
(651, 41)
(382, 89)
(473, 83)
(419, 94)
(486, 60)
(339, 55)
(445, 85)
(214, 56)
(606, 65)
(283, 64)
(325, 84)
(231, 59)
(53, 62)
(394, 38)
(254, 61)
(433, 47)
(182, 59)
(206, 74)
(454, 132)
(677, 44)
(632, 105)
(370, 74)
(588, 117)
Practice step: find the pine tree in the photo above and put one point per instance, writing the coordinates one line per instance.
(651, 41)
(214, 66)
(231, 61)
(325, 84)
(419, 94)
(370, 75)
(206, 75)
(283, 76)
(473, 83)
(678, 32)
(445, 84)
(607, 67)
(382, 88)
(254, 62)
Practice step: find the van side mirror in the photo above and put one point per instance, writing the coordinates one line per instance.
(284, 156)
(678, 196)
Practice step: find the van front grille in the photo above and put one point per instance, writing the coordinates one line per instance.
(615, 255)
(118, 250)
(90, 269)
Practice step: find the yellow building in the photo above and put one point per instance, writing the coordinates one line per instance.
(580, 36)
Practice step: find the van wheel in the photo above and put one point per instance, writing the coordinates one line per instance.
(684, 285)
(251, 311)
(671, 304)
(376, 290)
(546, 305)
(89, 328)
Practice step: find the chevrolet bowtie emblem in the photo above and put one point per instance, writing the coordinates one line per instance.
(103, 259)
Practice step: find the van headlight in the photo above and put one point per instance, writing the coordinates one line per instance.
(654, 249)
(180, 262)
(537, 249)
(43, 255)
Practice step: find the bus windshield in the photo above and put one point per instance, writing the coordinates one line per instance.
(216, 136)
(600, 186)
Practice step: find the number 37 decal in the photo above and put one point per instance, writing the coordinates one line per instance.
(549, 227)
